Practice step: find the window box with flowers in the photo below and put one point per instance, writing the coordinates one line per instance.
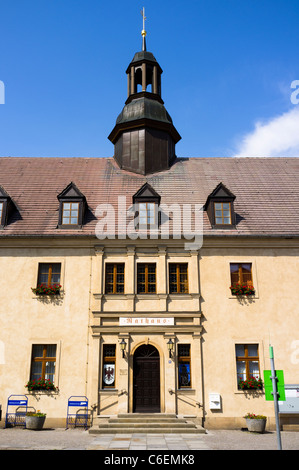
(44, 385)
(253, 383)
(42, 289)
(242, 289)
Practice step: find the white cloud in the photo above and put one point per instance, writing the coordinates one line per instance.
(278, 137)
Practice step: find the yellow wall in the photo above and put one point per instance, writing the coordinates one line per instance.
(83, 318)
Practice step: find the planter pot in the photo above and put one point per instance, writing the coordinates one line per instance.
(35, 422)
(256, 425)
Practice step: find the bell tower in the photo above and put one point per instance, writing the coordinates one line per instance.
(144, 136)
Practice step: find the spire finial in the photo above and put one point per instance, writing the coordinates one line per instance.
(143, 32)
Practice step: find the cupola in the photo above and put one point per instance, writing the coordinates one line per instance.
(144, 136)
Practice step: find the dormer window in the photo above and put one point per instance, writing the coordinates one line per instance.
(222, 213)
(147, 213)
(220, 208)
(72, 205)
(146, 205)
(7, 207)
(70, 213)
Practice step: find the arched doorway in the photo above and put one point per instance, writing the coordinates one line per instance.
(146, 380)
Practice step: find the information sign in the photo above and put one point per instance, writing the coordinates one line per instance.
(269, 387)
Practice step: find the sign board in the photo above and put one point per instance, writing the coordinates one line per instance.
(146, 321)
(17, 402)
(77, 403)
(269, 387)
(291, 404)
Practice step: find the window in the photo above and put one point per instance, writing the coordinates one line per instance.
(241, 273)
(178, 278)
(146, 205)
(43, 362)
(247, 357)
(146, 278)
(108, 366)
(147, 214)
(184, 365)
(220, 208)
(70, 213)
(222, 213)
(49, 274)
(7, 207)
(72, 207)
(115, 278)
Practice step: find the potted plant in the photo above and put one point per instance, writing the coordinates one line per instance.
(242, 289)
(43, 289)
(35, 420)
(255, 423)
(41, 384)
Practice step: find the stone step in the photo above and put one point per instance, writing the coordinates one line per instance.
(147, 415)
(147, 425)
(144, 423)
(147, 420)
(157, 430)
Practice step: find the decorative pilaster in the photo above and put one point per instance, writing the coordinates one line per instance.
(123, 373)
(97, 278)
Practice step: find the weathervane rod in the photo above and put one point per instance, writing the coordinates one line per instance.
(143, 32)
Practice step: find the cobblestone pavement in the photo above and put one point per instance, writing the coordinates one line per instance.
(78, 439)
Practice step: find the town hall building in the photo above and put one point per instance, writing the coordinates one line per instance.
(147, 282)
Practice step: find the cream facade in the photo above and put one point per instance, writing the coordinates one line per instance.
(83, 319)
(140, 324)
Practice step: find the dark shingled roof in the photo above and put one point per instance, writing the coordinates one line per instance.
(266, 190)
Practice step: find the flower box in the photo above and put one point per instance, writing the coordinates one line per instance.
(242, 289)
(43, 289)
(41, 384)
(252, 383)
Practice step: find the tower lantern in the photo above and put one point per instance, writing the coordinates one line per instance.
(144, 136)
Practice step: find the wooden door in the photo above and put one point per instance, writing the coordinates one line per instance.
(146, 380)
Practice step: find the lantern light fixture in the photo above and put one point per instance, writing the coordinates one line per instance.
(123, 346)
(170, 345)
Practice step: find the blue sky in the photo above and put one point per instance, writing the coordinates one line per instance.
(227, 65)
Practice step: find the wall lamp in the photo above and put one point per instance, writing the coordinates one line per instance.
(123, 346)
(170, 346)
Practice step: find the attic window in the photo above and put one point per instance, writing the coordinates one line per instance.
(220, 208)
(72, 206)
(70, 213)
(222, 213)
(7, 207)
(147, 213)
(146, 205)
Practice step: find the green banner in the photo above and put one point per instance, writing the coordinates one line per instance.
(269, 387)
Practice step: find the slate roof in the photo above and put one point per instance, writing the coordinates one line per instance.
(266, 190)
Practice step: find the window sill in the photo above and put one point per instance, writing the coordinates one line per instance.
(250, 391)
(43, 392)
(148, 296)
(114, 296)
(184, 296)
(244, 297)
(70, 227)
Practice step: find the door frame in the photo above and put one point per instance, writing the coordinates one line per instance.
(131, 375)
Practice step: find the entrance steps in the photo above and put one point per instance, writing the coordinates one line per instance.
(157, 423)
